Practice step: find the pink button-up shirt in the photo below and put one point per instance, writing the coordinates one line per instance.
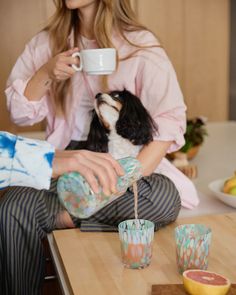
(148, 74)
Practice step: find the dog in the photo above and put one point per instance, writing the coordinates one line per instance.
(120, 125)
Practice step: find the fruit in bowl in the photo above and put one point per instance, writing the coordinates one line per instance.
(230, 185)
(217, 187)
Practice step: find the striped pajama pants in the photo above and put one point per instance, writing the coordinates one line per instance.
(27, 215)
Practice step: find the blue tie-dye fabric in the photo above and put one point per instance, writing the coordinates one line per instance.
(7, 144)
(25, 162)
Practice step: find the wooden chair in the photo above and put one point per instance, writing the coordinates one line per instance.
(51, 285)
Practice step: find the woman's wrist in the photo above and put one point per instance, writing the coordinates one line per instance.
(151, 155)
(38, 85)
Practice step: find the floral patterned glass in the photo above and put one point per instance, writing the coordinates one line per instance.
(77, 197)
(192, 246)
(136, 236)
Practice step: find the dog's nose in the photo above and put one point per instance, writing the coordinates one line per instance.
(98, 95)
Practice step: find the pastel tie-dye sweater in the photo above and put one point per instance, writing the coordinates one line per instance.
(25, 162)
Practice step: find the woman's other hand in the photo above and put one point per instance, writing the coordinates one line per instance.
(59, 68)
(99, 169)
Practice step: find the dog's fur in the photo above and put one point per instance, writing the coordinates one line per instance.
(120, 125)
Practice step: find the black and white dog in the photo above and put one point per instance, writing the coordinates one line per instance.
(120, 125)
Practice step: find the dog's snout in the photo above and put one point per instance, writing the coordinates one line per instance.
(98, 95)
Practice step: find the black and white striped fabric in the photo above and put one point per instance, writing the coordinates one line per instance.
(27, 215)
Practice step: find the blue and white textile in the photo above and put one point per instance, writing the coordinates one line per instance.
(25, 162)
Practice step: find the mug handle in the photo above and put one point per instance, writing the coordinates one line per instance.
(77, 69)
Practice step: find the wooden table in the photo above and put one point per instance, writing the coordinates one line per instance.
(91, 262)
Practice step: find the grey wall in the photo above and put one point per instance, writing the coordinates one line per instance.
(232, 92)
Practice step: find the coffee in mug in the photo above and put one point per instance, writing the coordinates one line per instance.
(101, 61)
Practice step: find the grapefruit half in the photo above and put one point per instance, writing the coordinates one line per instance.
(201, 282)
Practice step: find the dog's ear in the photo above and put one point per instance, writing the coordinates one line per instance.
(97, 140)
(135, 123)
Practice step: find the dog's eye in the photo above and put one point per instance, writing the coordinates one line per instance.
(115, 94)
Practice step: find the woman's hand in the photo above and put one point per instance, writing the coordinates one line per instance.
(59, 68)
(99, 169)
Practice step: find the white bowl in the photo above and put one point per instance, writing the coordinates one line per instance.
(216, 187)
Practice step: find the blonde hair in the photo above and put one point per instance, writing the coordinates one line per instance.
(112, 15)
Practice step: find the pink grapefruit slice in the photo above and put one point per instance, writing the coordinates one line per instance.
(201, 282)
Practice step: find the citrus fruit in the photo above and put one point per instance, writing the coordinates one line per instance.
(201, 282)
(232, 191)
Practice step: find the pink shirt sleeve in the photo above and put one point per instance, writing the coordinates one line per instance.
(158, 88)
(24, 112)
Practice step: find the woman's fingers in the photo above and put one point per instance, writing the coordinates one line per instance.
(59, 67)
(67, 58)
(102, 169)
(65, 71)
(119, 170)
(89, 175)
(99, 169)
(70, 51)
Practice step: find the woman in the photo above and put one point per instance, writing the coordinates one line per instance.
(44, 85)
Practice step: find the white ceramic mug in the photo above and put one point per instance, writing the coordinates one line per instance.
(101, 61)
